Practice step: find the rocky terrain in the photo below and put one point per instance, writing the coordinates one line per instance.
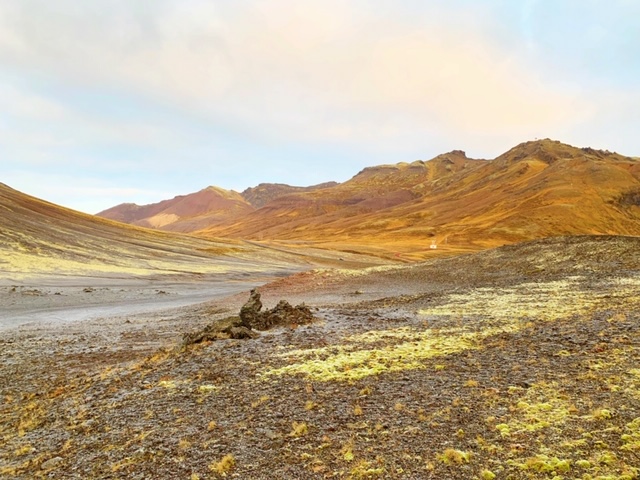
(514, 363)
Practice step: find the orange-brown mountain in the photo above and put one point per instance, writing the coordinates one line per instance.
(208, 207)
(537, 189)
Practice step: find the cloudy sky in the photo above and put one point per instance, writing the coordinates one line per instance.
(111, 101)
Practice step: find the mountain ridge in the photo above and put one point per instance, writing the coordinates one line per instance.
(536, 189)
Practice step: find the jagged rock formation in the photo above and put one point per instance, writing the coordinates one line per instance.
(283, 313)
(250, 311)
(251, 318)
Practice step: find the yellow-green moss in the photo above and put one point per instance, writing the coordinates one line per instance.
(349, 362)
(452, 456)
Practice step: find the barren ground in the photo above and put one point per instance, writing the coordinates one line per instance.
(521, 362)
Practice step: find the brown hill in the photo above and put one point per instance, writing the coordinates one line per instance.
(262, 194)
(535, 190)
(372, 190)
(38, 237)
(211, 206)
(184, 213)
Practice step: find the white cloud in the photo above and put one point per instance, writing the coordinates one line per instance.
(39, 129)
(318, 70)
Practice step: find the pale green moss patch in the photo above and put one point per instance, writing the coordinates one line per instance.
(349, 362)
(452, 456)
(631, 437)
(543, 301)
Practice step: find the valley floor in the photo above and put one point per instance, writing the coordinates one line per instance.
(521, 362)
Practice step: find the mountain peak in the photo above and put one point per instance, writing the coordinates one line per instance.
(263, 193)
(549, 151)
(183, 213)
(546, 150)
(453, 153)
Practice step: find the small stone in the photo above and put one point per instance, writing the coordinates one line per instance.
(51, 463)
(270, 434)
(242, 332)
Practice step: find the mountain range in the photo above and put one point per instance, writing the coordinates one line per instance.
(451, 203)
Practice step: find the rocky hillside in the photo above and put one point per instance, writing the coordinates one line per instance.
(262, 194)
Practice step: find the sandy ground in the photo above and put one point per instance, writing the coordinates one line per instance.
(78, 300)
(516, 363)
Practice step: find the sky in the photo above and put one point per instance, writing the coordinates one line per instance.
(110, 101)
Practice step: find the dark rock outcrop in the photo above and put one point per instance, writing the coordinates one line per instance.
(282, 314)
(250, 311)
(251, 318)
(230, 327)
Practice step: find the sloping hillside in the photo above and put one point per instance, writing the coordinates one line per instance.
(40, 238)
